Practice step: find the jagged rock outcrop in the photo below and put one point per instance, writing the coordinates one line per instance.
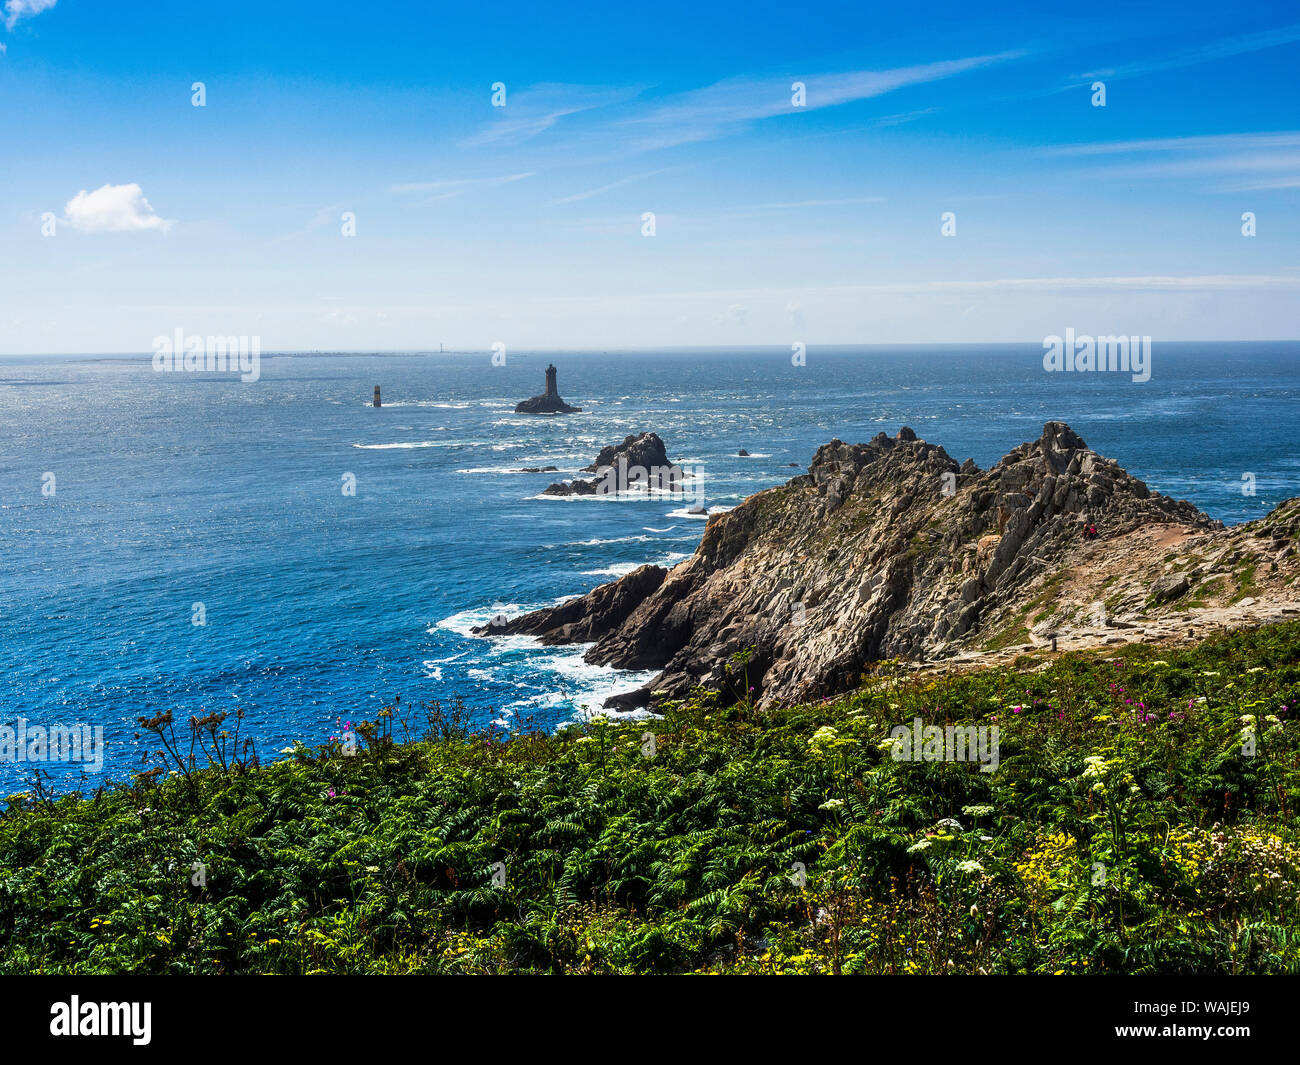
(643, 449)
(640, 460)
(549, 402)
(892, 549)
(589, 618)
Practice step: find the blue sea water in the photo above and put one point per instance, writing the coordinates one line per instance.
(183, 488)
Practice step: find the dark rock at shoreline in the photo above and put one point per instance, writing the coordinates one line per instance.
(742, 454)
(576, 487)
(538, 469)
(645, 450)
(638, 699)
(644, 453)
(586, 618)
(545, 405)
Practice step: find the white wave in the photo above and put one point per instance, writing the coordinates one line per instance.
(429, 662)
(461, 623)
(621, 569)
(514, 469)
(421, 403)
(684, 512)
(583, 685)
(602, 543)
(402, 447)
(649, 529)
(638, 495)
(576, 683)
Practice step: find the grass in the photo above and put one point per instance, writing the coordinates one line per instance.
(1127, 829)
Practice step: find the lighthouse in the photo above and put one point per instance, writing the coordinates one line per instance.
(549, 402)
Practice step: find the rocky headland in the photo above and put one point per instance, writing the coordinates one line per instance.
(892, 549)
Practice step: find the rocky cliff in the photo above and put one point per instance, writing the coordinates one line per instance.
(891, 549)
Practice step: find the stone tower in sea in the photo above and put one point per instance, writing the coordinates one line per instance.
(549, 402)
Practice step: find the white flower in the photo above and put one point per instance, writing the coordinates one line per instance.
(949, 822)
(918, 847)
(969, 866)
(831, 804)
(1094, 766)
(825, 734)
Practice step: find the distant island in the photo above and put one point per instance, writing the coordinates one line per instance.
(549, 402)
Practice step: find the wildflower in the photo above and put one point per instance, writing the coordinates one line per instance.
(970, 866)
(831, 804)
(919, 847)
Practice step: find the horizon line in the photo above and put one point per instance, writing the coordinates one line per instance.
(611, 349)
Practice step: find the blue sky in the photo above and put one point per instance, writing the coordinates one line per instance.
(523, 224)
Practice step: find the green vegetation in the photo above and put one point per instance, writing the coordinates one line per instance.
(1245, 575)
(1127, 828)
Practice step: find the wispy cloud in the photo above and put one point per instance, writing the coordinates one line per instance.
(15, 10)
(538, 108)
(1252, 159)
(1213, 143)
(731, 106)
(1205, 53)
(819, 203)
(589, 193)
(455, 186)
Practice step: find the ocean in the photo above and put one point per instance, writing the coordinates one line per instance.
(170, 490)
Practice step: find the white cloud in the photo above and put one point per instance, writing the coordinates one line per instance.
(21, 9)
(1254, 158)
(730, 106)
(539, 108)
(455, 186)
(1222, 49)
(589, 193)
(113, 209)
(847, 201)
